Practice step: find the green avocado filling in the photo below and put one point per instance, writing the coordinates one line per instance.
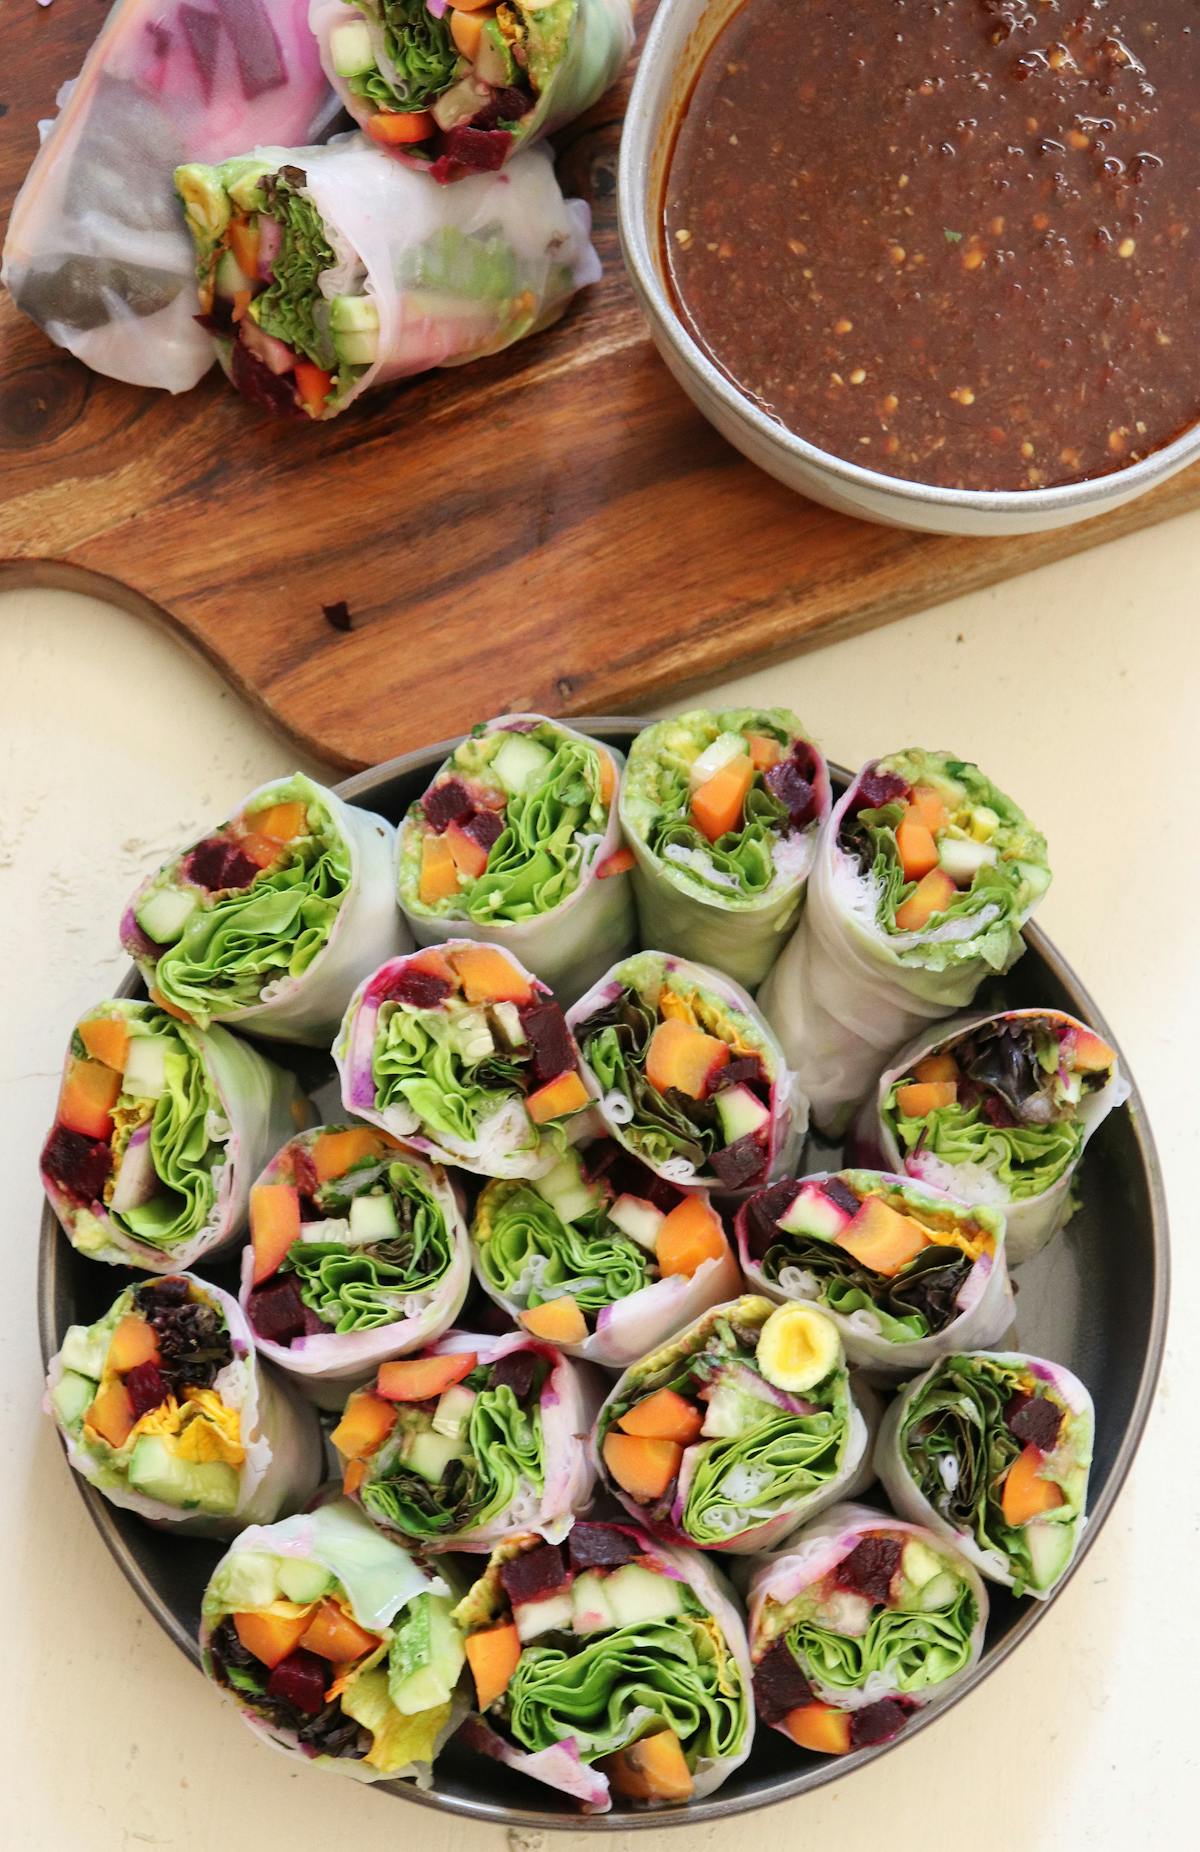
(526, 1252)
(359, 1288)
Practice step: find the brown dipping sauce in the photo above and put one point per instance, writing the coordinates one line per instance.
(952, 240)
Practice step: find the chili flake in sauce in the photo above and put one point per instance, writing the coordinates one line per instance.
(951, 240)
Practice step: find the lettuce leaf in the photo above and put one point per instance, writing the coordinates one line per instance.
(504, 1456)
(185, 1148)
(524, 1248)
(914, 1303)
(400, 1741)
(420, 48)
(419, 1059)
(292, 307)
(913, 1650)
(1026, 1159)
(535, 863)
(361, 1288)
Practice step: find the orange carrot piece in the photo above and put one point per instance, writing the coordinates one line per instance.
(932, 894)
(333, 1153)
(366, 1422)
(439, 871)
(682, 1056)
(764, 751)
(489, 976)
(492, 1654)
(690, 1235)
(918, 851)
(274, 1225)
(418, 1379)
(644, 1468)
(618, 863)
(717, 805)
(106, 1039)
(819, 1727)
(89, 1093)
(937, 1067)
(134, 1340)
(312, 386)
(270, 1637)
(665, 1415)
(559, 1321)
(880, 1238)
(927, 806)
(925, 1096)
(1026, 1494)
(394, 130)
(564, 1094)
(652, 1769)
(336, 1635)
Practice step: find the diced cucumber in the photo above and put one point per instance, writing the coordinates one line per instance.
(72, 1396)
(356, 350)
(1036, 877)
(137, 1181)
(591, 1608)
(521, 763)
(813, 1213)
(84, 1349)
(453, 1411)
(1049, 1550)
(458, 104)
(507, 1018)
(918, 1563)
(494, 62)
(725, 747)
(552, 1612)
(146, 1067)
(729, 1411)
(740, 1113)
(350, 50)
(250, 1579)
(210, 1485)
(638, 1219)
(430, 1454)
(302, 1581)
(163, 915)
(636, 1594)
(432, 1681)
(372, 1218)
(962, 859)
(229, 277)
(940, 1592)
(564, 1188)
(353, 315)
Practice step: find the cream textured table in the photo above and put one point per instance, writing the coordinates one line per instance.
(1079, 689)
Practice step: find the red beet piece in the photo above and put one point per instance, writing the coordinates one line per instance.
(841, 1194)
(147, 1388)
(600, 1546)
(171, 1290)
(485, 827)
(218, 863)
(446, 803)
(77, 1164)
(1034, 1420)
(876, 788)
(877, 1723)
(423, 989)
(477, 151)
(787, 783)
(516, 1372)
(870, 1566)
(739, 1163)
(250, 376)
(502, 106)
(779, 1684)
(762, 1213)
(300, 1679)
(743, 1072)
(550, 1050)
(996, 1111)
(535, 1574)
(277, 1312)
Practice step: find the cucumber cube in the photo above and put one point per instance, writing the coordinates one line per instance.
(521, 763)
(350, 50)
(302, 1581)
(372, 1218)
(636, 1594)
(550, 1613)
(72, 1397)
(146, 1067)
(638, 1219)
(163, 915)
(430, 1454)
(962, 860)
(813, 1213)
(725, 747)
(740, 1112)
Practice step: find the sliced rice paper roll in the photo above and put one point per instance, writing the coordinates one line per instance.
(722, 811)
(905, 1272)
(997, 1110)
(96, 252)
(269, 921)
(164, 1407)
(924, 875)
(159, 1132)
(327, 272)
(358, 1253)
(458, 91)
(737, 1430)
(474, 1438)
(600, 1256)
(336, 1645)
(861, 1621)
(608, 1666)
(517, 843)
(992, 1450)
(687, 1074)
(464, 1055)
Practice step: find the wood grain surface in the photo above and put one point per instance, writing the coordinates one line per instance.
(556, 528)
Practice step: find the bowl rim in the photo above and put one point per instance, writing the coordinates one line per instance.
(638, 230)
(359, 788)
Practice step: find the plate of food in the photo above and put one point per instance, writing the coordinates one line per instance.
(528, 1364)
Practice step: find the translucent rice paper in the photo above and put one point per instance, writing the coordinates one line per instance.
(97, 252)
(908, 1499)
(985, 1301)
(1031, 1221)
(742, 937)
(256, 1106)
(817, 1549)
(598, 43)
(327, 1365)
(380, 1578)
(368, 928)
(285, 1455)
(571, 945)
(561, 1766)
(840, 997)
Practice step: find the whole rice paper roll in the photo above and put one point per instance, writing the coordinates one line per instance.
(688, 1075)
(164, 1407)
(600, 1256)
(992, 1450)
(517, 843)
(737, 1430)
(474, 1438)
(611, 1665)
(924, 875)
(863, 1620)
(96, 253)
(326, 272)
(336, 1645)
(458, 91)
(358, 1253)
(159, 1132)
(905, 1272)
(722, 811)
(996, 1110)
(269, 921)
(465, 1056)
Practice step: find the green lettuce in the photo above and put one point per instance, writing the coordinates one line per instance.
(922, 1298)
(361, 1288)
(480, 266)
(1026, 1159)
(614, 1042)
(912, 1649)
(184, 1147)
(421, 1058)
(292, 307)
(420, 48)
(524, 1249)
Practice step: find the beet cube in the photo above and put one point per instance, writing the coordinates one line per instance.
(787, 783)
(877, 1723)
(485, 827)
(870, 1566)
(779, 1684)
(277, 1311)
(534, 1574)
(841, 1194)
(739, 1163)
(253, 378)
(745, 1071)
(600, 1546)
(515, 1371)
(479, 151)
(875, 789)
(446, 803)
(502, 106)
(550, 1047)
(1034, 1420)
(77, 1164)
(218, 864)
(300, 1679)
(423, 989)
(763, 1211)
(147, 1388)
(171, 1290)
(996, 1111)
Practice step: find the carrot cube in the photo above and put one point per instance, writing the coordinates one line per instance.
(470, 857)
(932, 894)
(642, 1467)
(717, 804)
(439, 871)
(366, 1422)
(270, 1637)
(819, 1727)
(918, 851)
(88, 1096)
(564, 1094)
(665, 1415)
(559, 1321)
(106, 1039)
(274, 1225)
(333, 1153)
(111, 1414)
(937, 1067)
(683, 1056)
(281, 822)
(134, 1341)
(419, 1379)
(764, 751)
(652, 1769)
(925, 1096)
(334, 1635)
(492, 1654)
(1026, 1494)
(489, 976)
(880, 1238)
(1090, 1055)
(928, 807)
(690, 1235)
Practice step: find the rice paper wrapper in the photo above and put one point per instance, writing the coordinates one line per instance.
(743, 937)
(366, 930)
(909, 1500)
(819, 1548)
(380, 1578)
(1030, 1221)
(327, 1365)
(985, 1301)
(97, 252)
(256, 1106)
(570, 945)
(789, 1103)
(285, 1455)
(561, 1766)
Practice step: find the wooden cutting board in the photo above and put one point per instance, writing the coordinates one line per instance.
(556, 528)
